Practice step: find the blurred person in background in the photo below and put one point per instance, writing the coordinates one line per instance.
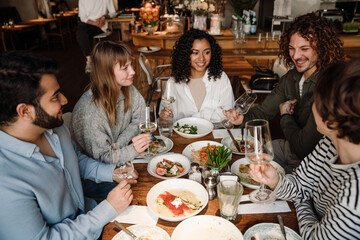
(92, 14)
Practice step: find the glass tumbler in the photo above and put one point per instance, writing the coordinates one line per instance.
(229, 195)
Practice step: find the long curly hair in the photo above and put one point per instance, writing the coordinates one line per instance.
(321, 35)
(337, 99)
(103, 83)
(180, 59)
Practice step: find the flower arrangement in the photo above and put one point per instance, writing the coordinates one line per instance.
(200, 7)
(150, 14)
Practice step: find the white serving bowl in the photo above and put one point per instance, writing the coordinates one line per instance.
(206, 227)
(204, 127)
(174, 157)
(176, 184)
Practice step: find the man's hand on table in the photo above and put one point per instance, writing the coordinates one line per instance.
(121, 196)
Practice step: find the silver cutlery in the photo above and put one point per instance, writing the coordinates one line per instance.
(282, 226)
(133, 236)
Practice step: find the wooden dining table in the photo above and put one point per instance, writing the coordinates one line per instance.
(243, 222)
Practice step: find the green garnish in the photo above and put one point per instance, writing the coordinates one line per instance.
(186, 128)
(219, 157)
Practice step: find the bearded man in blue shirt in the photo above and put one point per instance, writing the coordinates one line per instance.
(40, 169)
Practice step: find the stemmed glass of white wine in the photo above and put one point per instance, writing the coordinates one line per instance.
(259, 150)
(168, 95)
(148, 123)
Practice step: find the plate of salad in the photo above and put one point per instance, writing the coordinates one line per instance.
(168, 166)
(193, 127)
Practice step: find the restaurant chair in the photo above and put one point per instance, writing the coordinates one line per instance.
(3, 40)
(154, 76)
(28, 38)
(60, 32)
(101, 36)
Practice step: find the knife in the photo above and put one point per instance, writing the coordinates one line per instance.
(234, 141)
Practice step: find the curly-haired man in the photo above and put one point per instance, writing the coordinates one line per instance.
(309, 45)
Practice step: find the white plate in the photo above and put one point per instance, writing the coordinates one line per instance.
(204, 127)
(176, 184)
(245, 161)
(174, 157)
(206, 227)
(146, 50)
(168, 146)
(227, 141)
(151, 232)
(269, 231)
(195, 146)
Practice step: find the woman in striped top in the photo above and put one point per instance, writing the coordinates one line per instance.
(325, 188)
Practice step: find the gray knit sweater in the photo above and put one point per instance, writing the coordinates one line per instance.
(93, 135)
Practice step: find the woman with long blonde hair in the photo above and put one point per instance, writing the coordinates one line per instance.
(105, 120)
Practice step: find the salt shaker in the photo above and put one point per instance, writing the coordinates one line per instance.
(210, 183)
(205, 172)
(194, 173)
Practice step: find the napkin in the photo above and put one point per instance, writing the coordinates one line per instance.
(251, 208)
(137, 215)
(221, 133)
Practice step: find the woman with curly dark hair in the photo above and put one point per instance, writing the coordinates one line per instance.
(309, 45)
(198, 82)
(325, 187)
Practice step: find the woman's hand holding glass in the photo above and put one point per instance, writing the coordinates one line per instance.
(166, 113)
(265, 174)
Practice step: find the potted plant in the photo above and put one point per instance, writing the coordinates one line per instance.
(218, 159)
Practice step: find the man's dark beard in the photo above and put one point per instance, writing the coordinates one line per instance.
(44, 120)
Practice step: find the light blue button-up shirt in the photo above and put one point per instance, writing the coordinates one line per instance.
(41, 196)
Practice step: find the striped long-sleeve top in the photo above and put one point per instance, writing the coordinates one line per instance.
(326, 195)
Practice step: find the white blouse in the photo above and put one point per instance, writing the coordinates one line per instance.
(219, 93)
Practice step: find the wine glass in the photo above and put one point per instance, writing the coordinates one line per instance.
(259, 150)
(168, 95)
(125, 170)
(148, 123)
(223, 121)
(244, 102)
